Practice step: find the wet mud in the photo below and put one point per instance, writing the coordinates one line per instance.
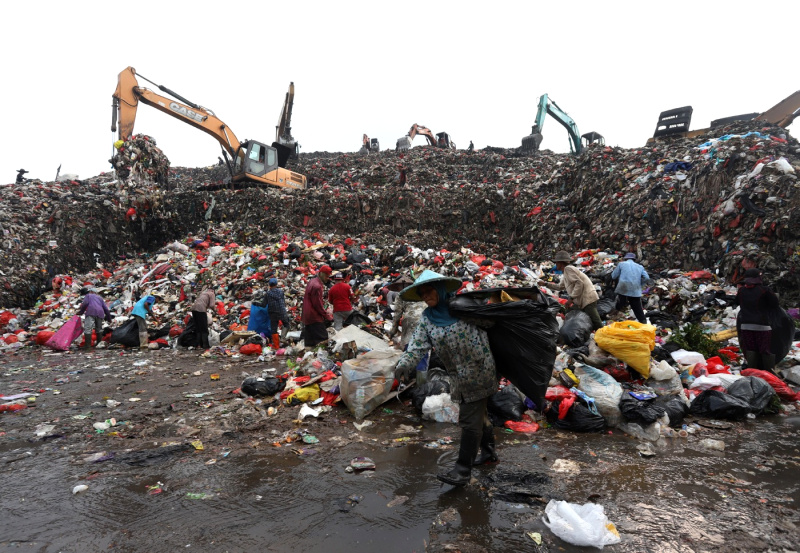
(257, 484)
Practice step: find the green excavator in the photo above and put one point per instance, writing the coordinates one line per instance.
(577, 143)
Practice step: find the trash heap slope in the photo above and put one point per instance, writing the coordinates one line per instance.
(708, 202)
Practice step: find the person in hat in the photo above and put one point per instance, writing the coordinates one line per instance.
(276, 305)
(95, 311)
(141, 310)
(205, 301)
(467, 358)
(579, 287)
(630, 276)
(341, 297)
(314, 314)
(755, 333)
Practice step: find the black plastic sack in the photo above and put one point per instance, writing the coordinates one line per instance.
(126, 335)
(507, 404)
(719, 405)
(644, 411)
(782, 332)
(579, 418)
(605, 306)
(357, 318)
(577, 329)
(756, 392)
(675, 408)
(189, 337)
(431, 388)
(262, 387)
(522, 338)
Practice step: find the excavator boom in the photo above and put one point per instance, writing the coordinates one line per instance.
(404, 143)
(253, 161)
(547, 106)
(284, 142)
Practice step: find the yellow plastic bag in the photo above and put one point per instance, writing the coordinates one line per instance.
(629, 341)
(303, 395)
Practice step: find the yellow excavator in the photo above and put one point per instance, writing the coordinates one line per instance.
(252, 162)
(441, 140)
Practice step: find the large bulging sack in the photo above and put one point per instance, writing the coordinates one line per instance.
(506, 404)
(522, 336)
(629, 341)
(64, 336)
(126, 335)
(604, 389)
(577, 329)
(189, 337)
(259, 320)
(756, 392)
(719, 405)
(367, 380)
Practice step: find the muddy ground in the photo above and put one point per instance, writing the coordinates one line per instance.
(248, 488)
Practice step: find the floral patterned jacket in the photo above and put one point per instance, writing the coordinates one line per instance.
(464, 350)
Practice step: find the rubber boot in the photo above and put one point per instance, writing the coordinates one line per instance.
(460, 474)
(276, 341)
(752, 358)
(143, 341)
(487, 453)
(768, 362)
(87, 341)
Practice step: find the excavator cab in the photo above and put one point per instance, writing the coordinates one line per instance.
(254, 159)
(374, 145)
(443, 141)
(592, 138)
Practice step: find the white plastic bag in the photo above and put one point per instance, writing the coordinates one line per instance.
(705, 382)
(367, 381)
(580, 524)
(688, 357)
(440, 408)
(604, 389)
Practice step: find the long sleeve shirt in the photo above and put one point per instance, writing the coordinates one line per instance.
(204, 301)
(313, 308)
(579, 286)
(341, 296)
(94, 306)
(755, 303)
(276, 303)
(464, 351)
(630, 275)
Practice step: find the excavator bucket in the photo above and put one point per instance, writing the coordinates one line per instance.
(284, 153)
(530, 143)
(403, 143)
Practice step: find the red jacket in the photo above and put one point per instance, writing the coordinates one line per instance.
(313, 310)
(341, 296)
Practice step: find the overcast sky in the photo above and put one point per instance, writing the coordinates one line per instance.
(473, 69)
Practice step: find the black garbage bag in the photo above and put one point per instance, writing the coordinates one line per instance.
(782, 332)
(579, 418)
(256, 339)
(661, 319)
(430, 388)
(522, 338)
(577, 329)
(357, 318)
(262, 387)
(189, 337)
(675, 408)
(719, 405)
(757, 393)
(126, 335)
(507, 405)
(643, 411)
(159, 332)
(605, 306)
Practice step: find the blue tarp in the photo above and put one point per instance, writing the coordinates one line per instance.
(259, 320)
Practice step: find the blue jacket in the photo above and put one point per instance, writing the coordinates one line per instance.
(630, 275)
(139, 309)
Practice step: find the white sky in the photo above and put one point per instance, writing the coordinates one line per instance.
(473, 69)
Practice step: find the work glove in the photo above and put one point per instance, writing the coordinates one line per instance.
(402, 374)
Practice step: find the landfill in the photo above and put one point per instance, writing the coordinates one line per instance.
(698, 212)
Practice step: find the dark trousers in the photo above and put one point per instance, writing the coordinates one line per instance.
(314, 333)
(200, 319)
(636, 306)
(471, 418)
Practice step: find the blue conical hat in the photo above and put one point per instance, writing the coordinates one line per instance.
(429, 277)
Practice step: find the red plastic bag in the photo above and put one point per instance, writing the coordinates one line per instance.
(250, 349)
(175, 331)
(716, 366)
(564, 407)
(6, 316)
(43, 336)
(522, 426)
(783, 391)
(11, 339)
(554, 393)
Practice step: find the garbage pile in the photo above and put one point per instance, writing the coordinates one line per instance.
(139, 161)
(722, 202)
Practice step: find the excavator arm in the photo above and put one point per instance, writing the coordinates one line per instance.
(566, 121)
(284, 142)
(548, 107)
(126, 102)
(404, 143)
(253, 161)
